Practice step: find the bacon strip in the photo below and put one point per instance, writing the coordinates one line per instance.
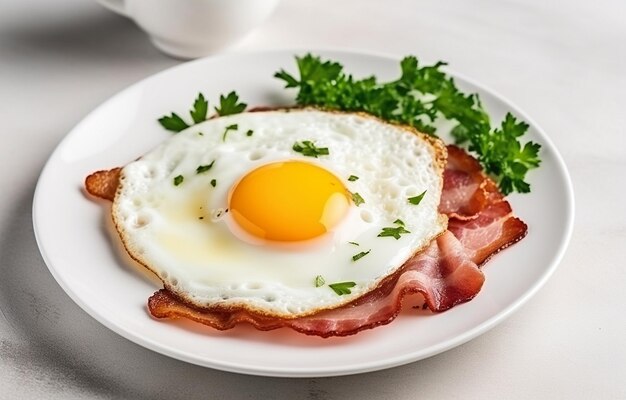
(494, 229)
(442, 273)
(465, 186)
(479, 215)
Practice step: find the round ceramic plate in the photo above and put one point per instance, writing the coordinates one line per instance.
(81, 252)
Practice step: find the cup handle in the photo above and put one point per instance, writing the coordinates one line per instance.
(118, 6)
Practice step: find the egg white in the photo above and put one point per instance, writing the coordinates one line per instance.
(184, 234)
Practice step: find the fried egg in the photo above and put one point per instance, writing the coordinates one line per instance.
(283, 213)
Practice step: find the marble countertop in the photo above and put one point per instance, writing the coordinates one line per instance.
(564, 63)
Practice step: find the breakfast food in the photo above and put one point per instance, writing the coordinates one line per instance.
(322, 221)
(228, 219)
(446, 273)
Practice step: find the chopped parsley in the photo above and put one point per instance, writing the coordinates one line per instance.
(308, 148)
(360, 255)
(353, 178)
(230, 105)
(213, 182)
(342, 288)
(418, 97)
(229, 128)
(417, 199)
(357, 199)
(249, 132)
(319, 281)
(204, 168)
(178, 180)
(354, 243)
(394, 232)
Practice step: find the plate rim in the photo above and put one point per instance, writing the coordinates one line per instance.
(423, 353)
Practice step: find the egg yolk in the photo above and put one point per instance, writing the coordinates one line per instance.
(288, 201)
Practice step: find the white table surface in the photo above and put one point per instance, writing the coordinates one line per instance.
(562, 62)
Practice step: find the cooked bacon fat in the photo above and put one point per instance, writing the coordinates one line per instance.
(466, 188)
(493, 229)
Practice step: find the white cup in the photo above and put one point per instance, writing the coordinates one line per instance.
(194, 28)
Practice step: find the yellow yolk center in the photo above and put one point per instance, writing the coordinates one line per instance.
(288, 201)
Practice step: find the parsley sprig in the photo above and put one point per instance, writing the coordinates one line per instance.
(173, 122)
(229, 105)
(420, 96)
(199, 110)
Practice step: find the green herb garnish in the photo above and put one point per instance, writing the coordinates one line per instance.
(178, 180)
(342, 288)
(354, 243)
(394, 232)
(503, 156)
(319, 281)
(199, 110)
(229, 128)
(249, 132)
(308, 148)
(230, 105)
(420, 96)
(357, 199)
(417, 199)
(213, 182)
(204, 168)
(353, 178)
(173, 123)
(360, 255)
(198, 114)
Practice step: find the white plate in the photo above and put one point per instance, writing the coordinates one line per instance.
(76, 245)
